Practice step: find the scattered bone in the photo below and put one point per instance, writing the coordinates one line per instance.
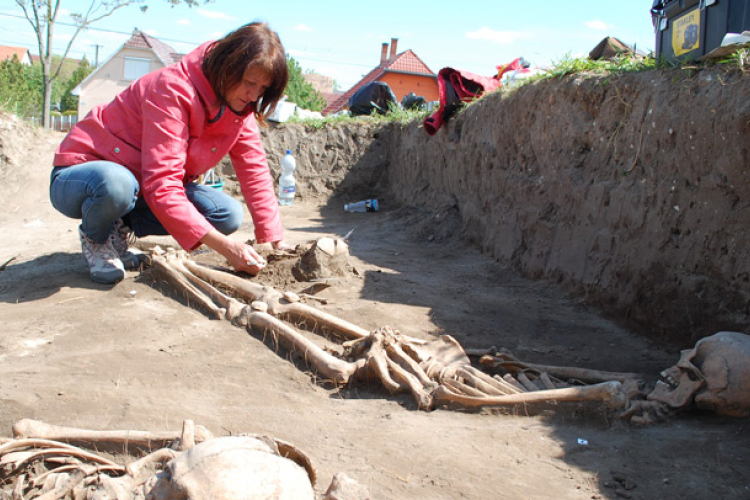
(244, 467)
(345, 488)
(313, 297)
(34, 429)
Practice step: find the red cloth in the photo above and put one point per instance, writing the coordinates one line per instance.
(504, 68)
(168, 128)
(454, 87)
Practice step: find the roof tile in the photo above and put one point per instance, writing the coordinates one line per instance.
(7, 52)
(405, 62)
(164, 52)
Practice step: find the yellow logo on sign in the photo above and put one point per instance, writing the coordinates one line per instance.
(686, 33)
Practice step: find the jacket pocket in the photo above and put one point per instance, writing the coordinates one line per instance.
(118, 151)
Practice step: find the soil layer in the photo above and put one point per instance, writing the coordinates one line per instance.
(528, 223)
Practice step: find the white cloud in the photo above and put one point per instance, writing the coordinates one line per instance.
(501, 37)
(213, 14)
(152, 32)
(598, 25)
(183, 22)
(303, 27)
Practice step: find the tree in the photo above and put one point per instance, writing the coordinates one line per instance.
(17, 88)
(69, 102)
(42, 15)
(299, 91)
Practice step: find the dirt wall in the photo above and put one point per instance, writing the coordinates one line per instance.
(632, 190)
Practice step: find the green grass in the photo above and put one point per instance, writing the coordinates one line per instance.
(624, 64)
(628, 64)
(394, 115)
(565, 67)
(740, 59)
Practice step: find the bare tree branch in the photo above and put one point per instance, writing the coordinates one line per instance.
(42, 15)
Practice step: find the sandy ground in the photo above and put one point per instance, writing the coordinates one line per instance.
(130, 357)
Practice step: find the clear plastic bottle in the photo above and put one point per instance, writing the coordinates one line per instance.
(287, 184)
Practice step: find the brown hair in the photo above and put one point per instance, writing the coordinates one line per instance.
(253, 45)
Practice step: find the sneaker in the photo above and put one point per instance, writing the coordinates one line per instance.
(122, 238)
(104, 264)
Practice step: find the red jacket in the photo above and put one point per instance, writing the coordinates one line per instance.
(168, 129)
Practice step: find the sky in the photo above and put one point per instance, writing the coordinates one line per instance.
(343, 39)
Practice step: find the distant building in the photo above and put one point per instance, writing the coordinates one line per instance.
(319, 82)
(404, 73)
(141, 54)
(324, 85)
(7, 52)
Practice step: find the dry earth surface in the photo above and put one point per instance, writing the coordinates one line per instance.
(132, 357)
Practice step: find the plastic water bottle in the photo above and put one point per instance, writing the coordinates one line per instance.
(362, 206)
(287, 184)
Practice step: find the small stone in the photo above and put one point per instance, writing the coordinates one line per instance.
(327, 245)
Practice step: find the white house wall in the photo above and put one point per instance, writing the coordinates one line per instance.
(108, 81)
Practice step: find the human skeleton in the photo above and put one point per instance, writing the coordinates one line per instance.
(439, 373)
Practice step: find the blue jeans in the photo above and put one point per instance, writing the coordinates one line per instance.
(100, 192)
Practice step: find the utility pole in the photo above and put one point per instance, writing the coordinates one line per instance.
(96, 55)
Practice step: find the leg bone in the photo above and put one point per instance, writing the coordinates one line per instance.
(179, 282)
(328, 366)
(510, 364)
(607, 392)
(35, 429)
(278, 306)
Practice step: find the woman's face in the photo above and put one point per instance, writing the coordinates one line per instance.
(254, 82)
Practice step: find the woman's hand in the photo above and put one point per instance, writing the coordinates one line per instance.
(241, 256)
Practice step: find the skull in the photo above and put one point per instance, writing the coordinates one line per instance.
(715, 375)
(233, 468)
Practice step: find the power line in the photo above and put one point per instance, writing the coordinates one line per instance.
(61, 23)
(173, 40)
(333, 61)
(33, 47)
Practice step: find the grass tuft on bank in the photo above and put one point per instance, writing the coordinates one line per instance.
(565, 67)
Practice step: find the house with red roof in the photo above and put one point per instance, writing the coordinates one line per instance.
(141, 54)
(404, 73)
(8, 51)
